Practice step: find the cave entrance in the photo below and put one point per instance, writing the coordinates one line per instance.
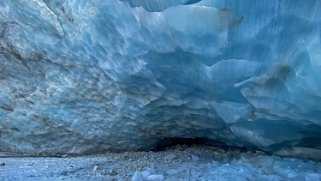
(167, 143)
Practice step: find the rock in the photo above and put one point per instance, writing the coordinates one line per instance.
(156, 177)
(95, 168)
(170, 157)
(194, 158)
(137, 176)
(2, 164)
(112, 172)
(172, 171)
(148, 172)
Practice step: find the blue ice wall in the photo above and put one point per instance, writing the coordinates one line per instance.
(84, 76)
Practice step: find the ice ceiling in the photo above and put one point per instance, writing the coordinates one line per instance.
(82, 76)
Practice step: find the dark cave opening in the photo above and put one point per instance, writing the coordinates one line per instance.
(167, 143)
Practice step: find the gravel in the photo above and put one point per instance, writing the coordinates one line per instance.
(174, 164)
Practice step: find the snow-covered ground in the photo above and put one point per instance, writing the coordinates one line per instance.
(176, 163)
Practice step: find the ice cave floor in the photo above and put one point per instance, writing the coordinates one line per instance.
(175, 163)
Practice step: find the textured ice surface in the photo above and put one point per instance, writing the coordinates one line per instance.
(86, 76)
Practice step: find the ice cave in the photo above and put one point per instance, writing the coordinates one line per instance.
(163, 89)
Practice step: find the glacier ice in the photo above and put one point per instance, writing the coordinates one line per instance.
(87, 76)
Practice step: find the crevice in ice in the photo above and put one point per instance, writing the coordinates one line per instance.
(166, 143)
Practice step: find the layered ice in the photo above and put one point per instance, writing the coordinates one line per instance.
(87, 76)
